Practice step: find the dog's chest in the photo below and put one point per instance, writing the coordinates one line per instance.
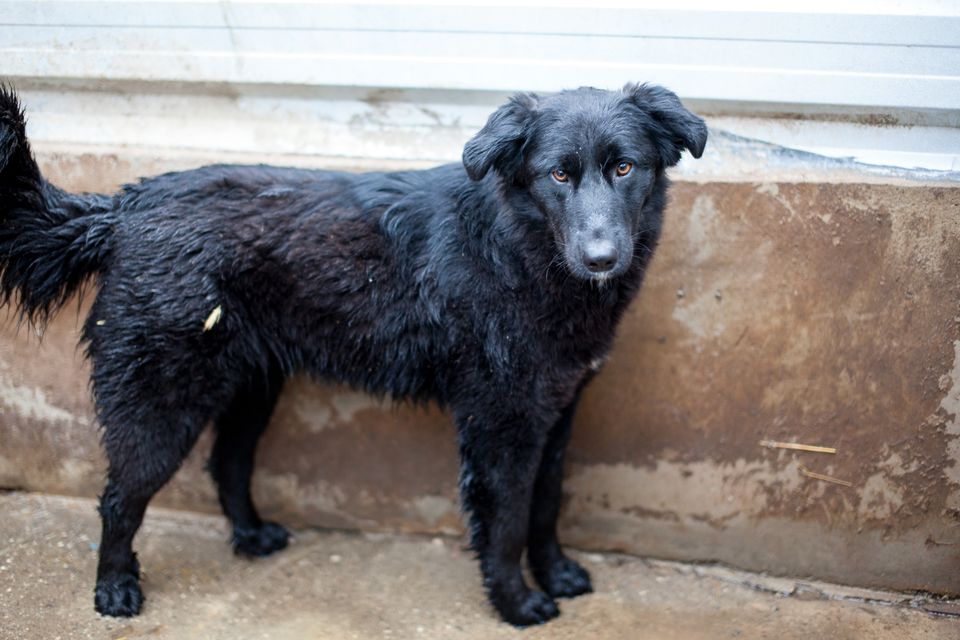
(572, 334)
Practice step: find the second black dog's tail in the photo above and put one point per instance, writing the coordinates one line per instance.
(50, 240)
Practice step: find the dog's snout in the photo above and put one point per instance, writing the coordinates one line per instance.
(600, 256)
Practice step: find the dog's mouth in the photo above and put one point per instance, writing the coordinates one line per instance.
(600, 277)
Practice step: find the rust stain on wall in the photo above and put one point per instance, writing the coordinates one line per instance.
(825, 314)
(818, 313)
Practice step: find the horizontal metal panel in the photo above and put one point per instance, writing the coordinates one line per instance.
(862, 59)
(803, 86)
(520, 18)
(498, 48)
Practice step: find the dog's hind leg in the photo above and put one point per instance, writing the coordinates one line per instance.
(557, 574)
(500, 457)
(142, 459)
(231, 463)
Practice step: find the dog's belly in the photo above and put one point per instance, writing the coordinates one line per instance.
(363, 336)
(407, 366)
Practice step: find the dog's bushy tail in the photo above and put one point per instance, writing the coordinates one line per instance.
(50, 240)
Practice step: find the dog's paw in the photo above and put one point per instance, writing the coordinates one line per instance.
(120, 596)
(529, 609)
(260, 541)
(563, 578)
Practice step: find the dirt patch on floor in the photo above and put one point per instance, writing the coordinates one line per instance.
(335, 585)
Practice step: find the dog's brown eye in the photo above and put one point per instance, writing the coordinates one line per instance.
(559, 175)
(624, 168)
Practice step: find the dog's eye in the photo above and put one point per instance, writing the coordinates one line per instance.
(559, 175)
(624, 168)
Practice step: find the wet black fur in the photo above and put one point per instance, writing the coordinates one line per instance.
(462, 284)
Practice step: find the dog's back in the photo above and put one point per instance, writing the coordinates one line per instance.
(349, 277)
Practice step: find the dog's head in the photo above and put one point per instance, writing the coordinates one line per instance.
(589, 159)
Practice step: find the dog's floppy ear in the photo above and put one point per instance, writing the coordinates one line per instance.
(681, 129)
(498, 145)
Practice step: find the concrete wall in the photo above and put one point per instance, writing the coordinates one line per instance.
(799, 308)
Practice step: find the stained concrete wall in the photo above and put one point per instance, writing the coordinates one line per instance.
(793, 310)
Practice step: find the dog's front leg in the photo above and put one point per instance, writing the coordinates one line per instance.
(555, 572)
(499, 461)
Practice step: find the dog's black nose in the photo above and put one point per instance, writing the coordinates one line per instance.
(600, 256)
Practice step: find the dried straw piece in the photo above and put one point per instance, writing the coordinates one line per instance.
(820, 476)
(795, 446)
(213, 318)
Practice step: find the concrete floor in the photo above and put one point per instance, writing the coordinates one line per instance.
(345, 585)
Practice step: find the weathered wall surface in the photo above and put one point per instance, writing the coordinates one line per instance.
(792, 311)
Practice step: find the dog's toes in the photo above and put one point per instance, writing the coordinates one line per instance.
(532, 608)
(564, 578)
(260, 541)
(119, 597)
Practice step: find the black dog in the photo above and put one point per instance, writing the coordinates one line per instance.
(493, 288)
